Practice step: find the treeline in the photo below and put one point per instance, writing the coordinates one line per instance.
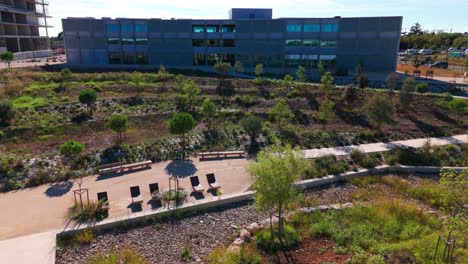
(416, 38)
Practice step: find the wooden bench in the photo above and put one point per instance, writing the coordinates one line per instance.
(138, 165)
(110, 167)
(222, 154)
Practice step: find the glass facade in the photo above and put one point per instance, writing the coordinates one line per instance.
(126, 27)
(212, 29)
(328, 44)
(228, 28)
(141, 58)
(198, 43)
(311, 27)
(199, 59)
(128, 58)
(141, 28)
(329, 27)
(114, 58)
(128, 41)
(293, 42)
(293, 27)
(213, 43)
(198, 28)
(228, 43)
(311, 43)
(212, 59)
(141, 41)
(113, 41)
(113, 28)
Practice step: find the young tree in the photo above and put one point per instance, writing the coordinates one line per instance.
(363, 81)
(137, 77)
(66, 75)
(327, 83)
(88, 97)
(162, 70)
(359, 69)
(253, 126)
(406, 96)
(351, 94)
(281, 112)
(275, 175)
(459, 106)
(71, 149)
(209, 112)
(238, 67)
(181, 124)
(321, 68)
(180, 81)
(119, 123)
(222, 69)
(287, 82)
(422, 88)
(258, 70)
(380, 110)
(326, 110)
(8, 57)
(301, 74)
(190, 91)
(391, 82)
(7, 111)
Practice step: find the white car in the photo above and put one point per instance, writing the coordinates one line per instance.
(452, 49)
(412, 51)
(466, 52)
(425, 52)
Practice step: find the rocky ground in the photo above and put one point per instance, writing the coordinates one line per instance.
(163, 242)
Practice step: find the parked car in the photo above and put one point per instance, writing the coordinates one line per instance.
(452, 49)
(439, 64)
(466, 52)
(464, 48)
(411, 51)
(425, 52)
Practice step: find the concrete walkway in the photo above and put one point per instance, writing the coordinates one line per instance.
(381, 147)
(31, 249)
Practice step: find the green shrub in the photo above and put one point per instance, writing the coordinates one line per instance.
(93, 211)
(126, 255)
(221, 255)
(270, 244)
(186, 253)
(422, 88)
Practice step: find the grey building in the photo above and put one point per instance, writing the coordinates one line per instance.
(24, 25)
(250, 36)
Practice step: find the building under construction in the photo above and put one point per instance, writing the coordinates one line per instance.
(24, 26)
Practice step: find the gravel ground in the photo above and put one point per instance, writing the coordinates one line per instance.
(163, 242)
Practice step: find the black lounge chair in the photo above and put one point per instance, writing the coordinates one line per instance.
(102, 198)
(154, 190)
(210, 177)
(197, 187)
(136, 195)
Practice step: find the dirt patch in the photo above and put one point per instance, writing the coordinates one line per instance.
(311, 251)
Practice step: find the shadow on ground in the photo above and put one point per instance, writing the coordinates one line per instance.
(135, 207)
(59, 189)
(181, 168)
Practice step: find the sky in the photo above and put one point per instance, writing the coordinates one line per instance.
(444, 15)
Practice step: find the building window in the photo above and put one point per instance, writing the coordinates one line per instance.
(112, 28)
(228, 58)
(128, 41)
(311, 43)
(228, 28)
(292, 57)
(198, 59)
(128, 58)
(329, 27)
(212, 29)
(293, 42)
(126, 27)
(212, 59)
(114, 58)
(113, 41)
(213, 43)
(294, 28)
(327, 57)
(328, 44)
(198, 29)
(142, 58)
(198, 43)
(311, 27)
(141, 41)
(228, 43)
(141, 28)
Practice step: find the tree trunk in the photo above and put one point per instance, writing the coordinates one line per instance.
(271, 223)
(280, 224)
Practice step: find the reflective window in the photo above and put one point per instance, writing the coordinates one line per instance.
(198, 59)
(212, 59)
(113, 41)
(128, 58)
(141, 41)
(198, 28)
(228, 43)
(112, 27)
(327, 57)
(310, 57)
(293, 42)
(294, 28)
(329, 27)
(311, 42)
(212, 29)
(141, 58)
(328, 44)
(126, 27)
(311, 27)
(213, 43)
(293, 57)
(128, 41)
(114, 58)
(228, 28)
(198, 42)
(141, 28)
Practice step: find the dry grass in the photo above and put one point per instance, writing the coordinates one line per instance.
(437, 72)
